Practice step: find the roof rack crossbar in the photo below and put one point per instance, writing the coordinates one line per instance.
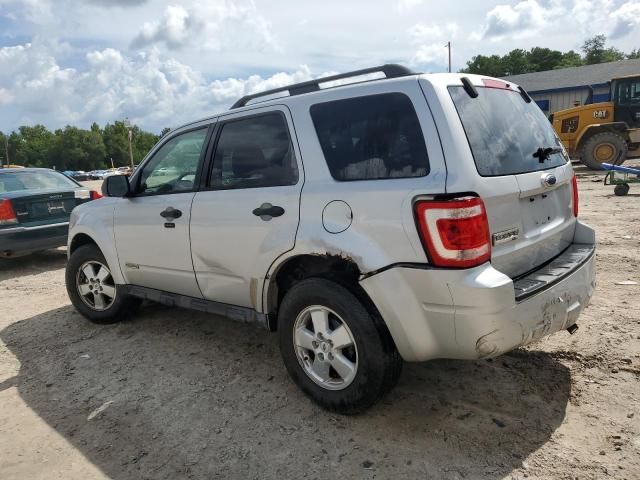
(390, 70)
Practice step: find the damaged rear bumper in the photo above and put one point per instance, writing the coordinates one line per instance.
(480, 312)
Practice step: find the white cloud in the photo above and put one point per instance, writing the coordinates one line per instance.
(624, 19)
(118, 3)
(588, 14)
(435, 53)
(404, 6)
(168, 61)
(211, 26)
(152, 89)
(174, 30)
(524, 19)
(431, 42)
(421, 32)
(30, 10)
(5, 96)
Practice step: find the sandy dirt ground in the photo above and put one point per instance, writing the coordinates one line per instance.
(175, 394)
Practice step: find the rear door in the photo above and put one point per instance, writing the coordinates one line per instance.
(249, 212)
(521, 172)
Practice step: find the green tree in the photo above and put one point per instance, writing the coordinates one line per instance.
(67, 152)
(3, 149)
(34, 146)
(116, 141)
(142, 143)
(634, 54)
(595, 51)
(164, 131)
(570, 59)
(73, 148)
(541, 59)
(16, 148)
(94, 148)
(516, 62)
(480, 64)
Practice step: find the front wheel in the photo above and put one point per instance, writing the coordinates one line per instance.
(92, 289)
(605, 147)
(340, 354)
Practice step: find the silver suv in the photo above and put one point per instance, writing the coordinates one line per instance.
(409, 217)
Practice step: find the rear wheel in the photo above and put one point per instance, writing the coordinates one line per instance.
(334, 349)
(621, 189)
(92, 289)
(605, 147)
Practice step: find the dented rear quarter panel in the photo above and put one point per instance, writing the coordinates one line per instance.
(377, 236)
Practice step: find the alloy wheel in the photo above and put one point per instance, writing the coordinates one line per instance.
(325, 347)
(95, 285)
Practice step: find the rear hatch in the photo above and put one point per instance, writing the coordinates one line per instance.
(525, 177)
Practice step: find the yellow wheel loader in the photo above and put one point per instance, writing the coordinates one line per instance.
(606, 132)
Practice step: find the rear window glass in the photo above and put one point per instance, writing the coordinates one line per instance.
(43, 180)
(370, 138)
(504, 131)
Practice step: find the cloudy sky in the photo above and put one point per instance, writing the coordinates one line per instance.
(163, 63)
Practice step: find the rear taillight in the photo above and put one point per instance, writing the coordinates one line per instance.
(94, 195)
(7, 213)
(574, 200)
(455, 233)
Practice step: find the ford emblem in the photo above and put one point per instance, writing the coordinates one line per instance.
(549, 179)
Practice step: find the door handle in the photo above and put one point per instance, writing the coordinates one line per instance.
(266, 211)
(171, 213)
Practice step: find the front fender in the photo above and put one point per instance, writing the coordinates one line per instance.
(96, 220)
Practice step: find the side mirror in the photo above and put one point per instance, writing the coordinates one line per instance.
(116, 186)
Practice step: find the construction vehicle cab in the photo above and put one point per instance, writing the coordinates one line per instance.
(605, 132)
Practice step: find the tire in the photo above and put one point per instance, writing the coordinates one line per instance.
(621, 189)
(116, 308)
(605, 147)
(373, 354)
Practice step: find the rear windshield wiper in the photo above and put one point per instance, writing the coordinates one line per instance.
(543, 153)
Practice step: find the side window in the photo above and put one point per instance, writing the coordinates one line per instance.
(372, 137)
(254, 152)
(172, 169)
(629, 92)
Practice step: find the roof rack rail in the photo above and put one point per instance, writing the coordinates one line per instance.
(390, 70)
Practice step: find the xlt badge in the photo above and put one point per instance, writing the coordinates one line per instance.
(505, 236)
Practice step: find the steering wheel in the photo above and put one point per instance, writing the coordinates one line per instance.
(181, 183)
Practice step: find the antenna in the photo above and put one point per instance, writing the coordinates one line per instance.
(448, 45)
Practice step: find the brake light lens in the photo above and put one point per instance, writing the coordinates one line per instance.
(491, 83)
(94, 195)
(7, 213)
(575, 199)
(455, 233)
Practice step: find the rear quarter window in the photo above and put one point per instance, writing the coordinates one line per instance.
(371, 138)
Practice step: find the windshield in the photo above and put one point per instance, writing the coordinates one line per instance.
(34, 180)
(504, 131)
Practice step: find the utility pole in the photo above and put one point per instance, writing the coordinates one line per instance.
(448, 45)
(127, 124)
